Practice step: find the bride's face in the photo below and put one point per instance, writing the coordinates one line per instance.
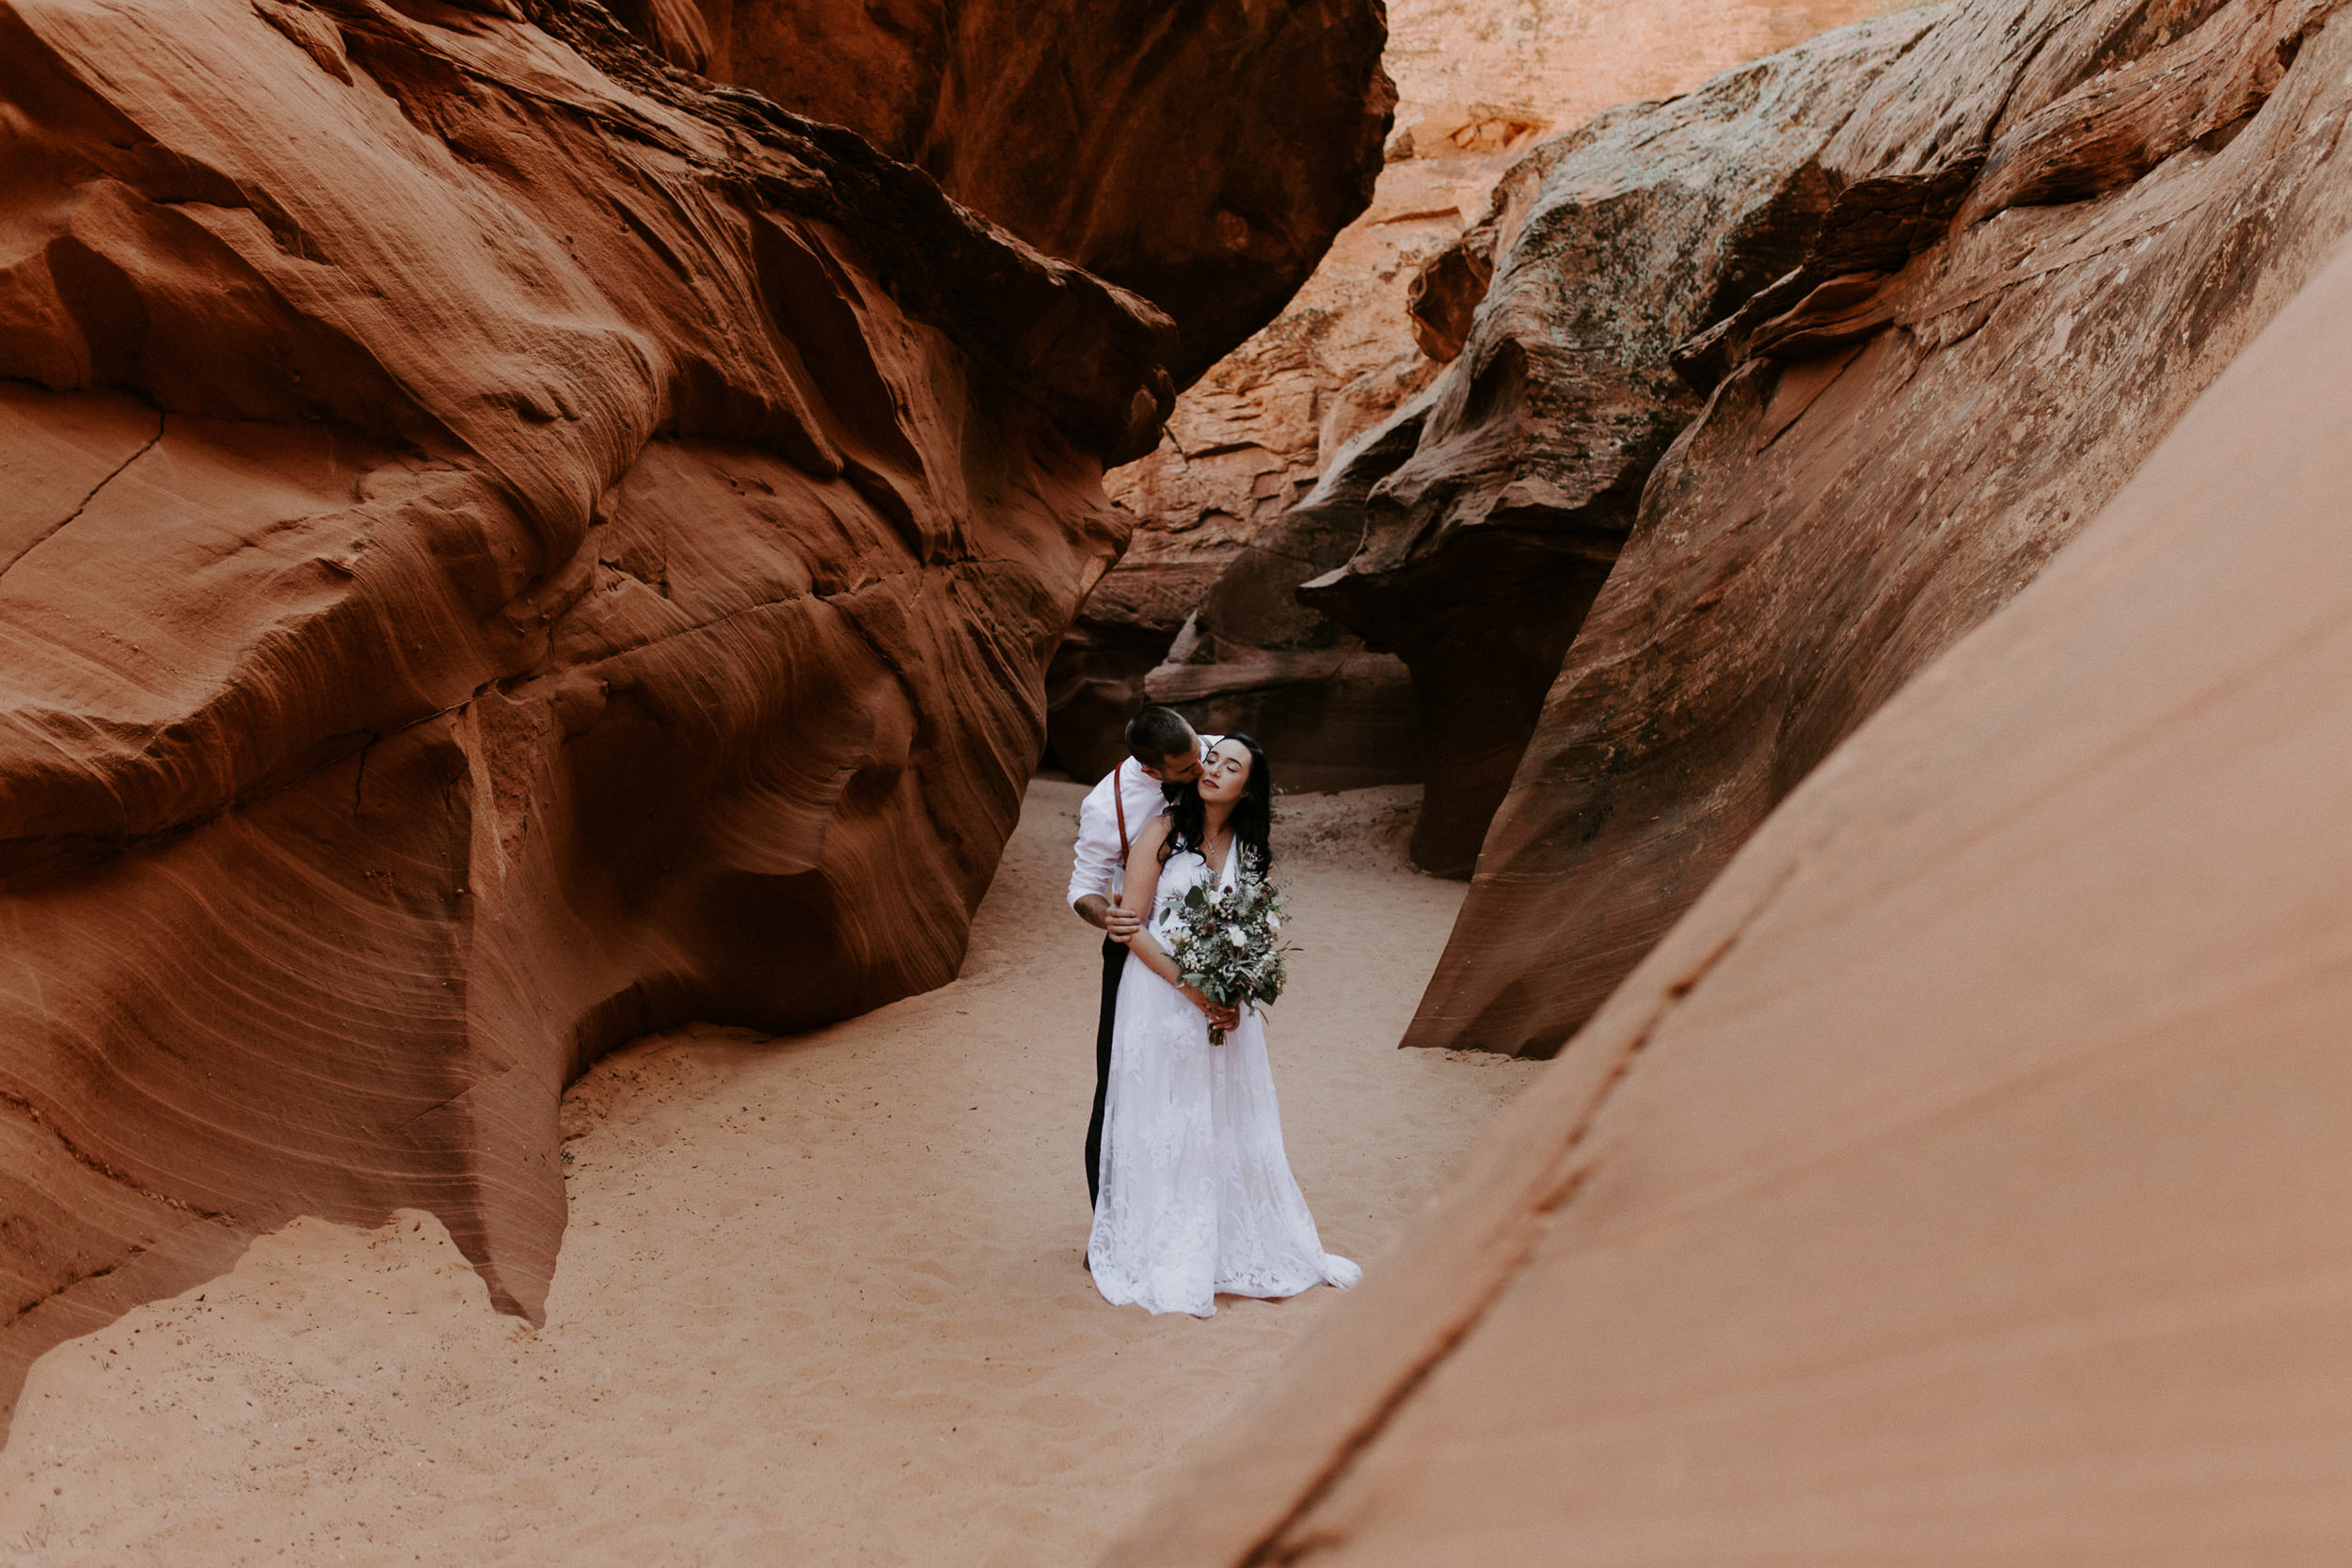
(1224, 773)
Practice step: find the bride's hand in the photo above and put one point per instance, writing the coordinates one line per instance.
(1218, 1015)
(1122, 924)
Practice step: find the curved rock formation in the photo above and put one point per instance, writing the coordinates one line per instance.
(1942, 325)
(1962, 1181)
(1202, 156)
(504, 549)
(1083, 130)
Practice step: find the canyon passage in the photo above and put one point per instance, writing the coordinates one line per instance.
(563, 568)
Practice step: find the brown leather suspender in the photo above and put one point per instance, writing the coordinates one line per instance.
(1119, 799)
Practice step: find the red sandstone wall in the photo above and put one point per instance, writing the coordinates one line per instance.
(501, 548)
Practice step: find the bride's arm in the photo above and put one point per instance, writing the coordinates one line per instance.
(1141, 888)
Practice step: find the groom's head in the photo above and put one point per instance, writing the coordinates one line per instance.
(1163, 745)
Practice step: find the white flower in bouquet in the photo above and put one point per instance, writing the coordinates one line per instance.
(1226, 943)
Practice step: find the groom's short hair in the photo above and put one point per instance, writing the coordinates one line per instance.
(1158, 734)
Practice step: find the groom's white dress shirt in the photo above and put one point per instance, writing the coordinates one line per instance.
(1097, 866)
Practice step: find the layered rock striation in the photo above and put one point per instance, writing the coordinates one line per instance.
(1202, 156)
(1961, 1180)
(504, 547)
(1902, 309)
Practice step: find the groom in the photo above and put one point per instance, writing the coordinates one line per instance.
(1162, 753)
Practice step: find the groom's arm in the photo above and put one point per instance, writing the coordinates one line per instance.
(1097, 910)
(1093, 859)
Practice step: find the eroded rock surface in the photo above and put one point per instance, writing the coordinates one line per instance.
(1961, 1180)
(1478, 82)
(1204, 159)
(2041, 231)
(2052, 229)
(1488, 511)
(503, 549)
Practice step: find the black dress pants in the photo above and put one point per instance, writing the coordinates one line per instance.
(1114, 965)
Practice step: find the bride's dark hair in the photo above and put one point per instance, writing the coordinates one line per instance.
(1253, 813)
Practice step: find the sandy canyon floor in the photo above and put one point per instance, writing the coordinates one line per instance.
(822, 1300)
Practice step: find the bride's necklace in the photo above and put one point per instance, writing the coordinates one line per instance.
(1213, 850)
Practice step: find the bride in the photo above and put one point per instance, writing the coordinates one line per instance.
(1197, 1194)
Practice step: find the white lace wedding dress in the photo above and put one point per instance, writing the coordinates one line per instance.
(1196, 1195)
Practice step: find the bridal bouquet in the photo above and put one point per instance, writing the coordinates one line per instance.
(1227, 943)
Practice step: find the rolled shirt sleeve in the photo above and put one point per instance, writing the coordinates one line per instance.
(1094, 865)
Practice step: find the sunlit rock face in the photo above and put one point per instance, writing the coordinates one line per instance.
(1778, 389)
(1479, 522)
(502, 548)
(1962, 1180)
(1219, 541)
